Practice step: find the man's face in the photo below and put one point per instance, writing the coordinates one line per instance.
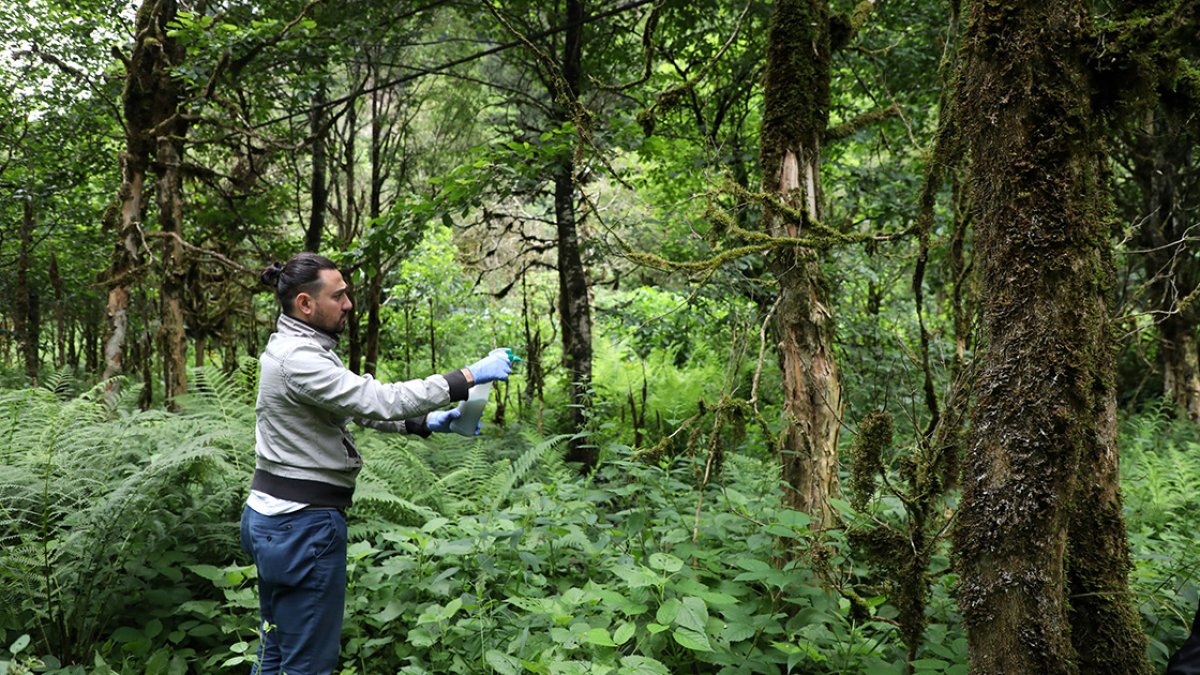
(329, 308)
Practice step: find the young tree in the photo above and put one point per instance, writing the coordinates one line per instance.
(1041, 547)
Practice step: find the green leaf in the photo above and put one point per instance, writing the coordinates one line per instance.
(535, 667)
(797, 520)
(434, 524)
(691, 639)
(642, 665)
(503, 663)
(636, 577)
(19, 645)
(668, 611)
(656, 628)
(666, 562)
(360, 550)
(930, 664)
(126, 634)
(736, 632)
(421, 637)
(388, 614)
(624, 632)
(693, 614)
(598, 636)
(209, 572)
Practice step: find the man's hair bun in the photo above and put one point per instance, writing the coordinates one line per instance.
(270, 275)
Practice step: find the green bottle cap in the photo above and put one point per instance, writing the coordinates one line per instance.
(513, 358)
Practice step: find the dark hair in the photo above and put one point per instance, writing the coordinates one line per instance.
(301, 274)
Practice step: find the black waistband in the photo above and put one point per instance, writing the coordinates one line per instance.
(311, 492)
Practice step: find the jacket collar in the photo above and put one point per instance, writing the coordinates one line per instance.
(293, 327)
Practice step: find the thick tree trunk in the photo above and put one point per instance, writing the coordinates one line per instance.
(795, 113)
(25, 319)
(1039, 485)
(574, 305)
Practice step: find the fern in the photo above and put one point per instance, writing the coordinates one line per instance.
(511, 475)
(451, 476)
(97, 494)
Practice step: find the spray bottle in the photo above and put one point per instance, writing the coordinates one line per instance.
(471, 410)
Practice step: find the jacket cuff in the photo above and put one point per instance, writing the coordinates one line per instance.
(458, 385)
(418, 426)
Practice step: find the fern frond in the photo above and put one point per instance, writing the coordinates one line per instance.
(515, 473)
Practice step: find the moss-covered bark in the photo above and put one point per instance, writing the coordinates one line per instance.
(143, 69)
(1039, 531)
(795, 114)
(574, 304)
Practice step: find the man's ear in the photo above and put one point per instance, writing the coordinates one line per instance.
(304, 303)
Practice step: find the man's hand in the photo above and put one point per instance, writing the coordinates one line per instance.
(439, 421)
(495, 366)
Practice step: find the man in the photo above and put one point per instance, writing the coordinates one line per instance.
(294, 524)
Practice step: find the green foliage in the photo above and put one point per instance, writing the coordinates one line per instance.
(103, 507)
(1160, 472)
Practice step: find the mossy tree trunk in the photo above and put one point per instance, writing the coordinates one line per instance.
(1041, 549)
(152, 128)
(574, 304)
(795, 114)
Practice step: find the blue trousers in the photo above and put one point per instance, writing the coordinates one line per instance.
(301, 559)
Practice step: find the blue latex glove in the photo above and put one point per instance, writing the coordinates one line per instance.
(495, 366)
(439, 420)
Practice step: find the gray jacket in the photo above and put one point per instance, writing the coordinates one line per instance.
(305, 452)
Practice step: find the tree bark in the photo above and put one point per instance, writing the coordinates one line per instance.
(349, 231)
(146, 105)
(319, 185)
(1040, 495)
(169, 191)
(60, 313)
(25, 313)
(574, 305)
(375, 270)
(795, 114)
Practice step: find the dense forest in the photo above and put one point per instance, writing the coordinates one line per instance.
(854, 336)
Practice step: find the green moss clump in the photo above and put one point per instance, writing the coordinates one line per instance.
(875, 434)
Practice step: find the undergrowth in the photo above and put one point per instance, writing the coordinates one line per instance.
(119, 552)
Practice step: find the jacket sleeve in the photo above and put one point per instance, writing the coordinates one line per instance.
(318, 379)
(417, 426)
